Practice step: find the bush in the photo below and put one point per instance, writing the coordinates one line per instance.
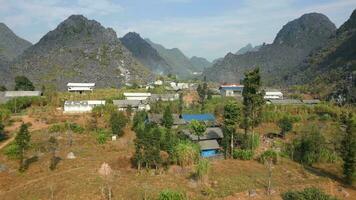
(76, 128)
(250, 141)
(21, 103)
(202, 169)
(323, 109)
(307, 194)
(171, 195)
(325, 117)
(12, 151)
(186, 153)
(269, 154)
(242, 154)
(101, 137)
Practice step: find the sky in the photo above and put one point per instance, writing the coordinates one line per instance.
(205, 28)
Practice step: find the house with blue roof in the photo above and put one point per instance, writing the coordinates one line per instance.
(231, 90)
(199, 117)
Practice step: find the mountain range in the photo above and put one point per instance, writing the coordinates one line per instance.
(307, 51)
(293, 43)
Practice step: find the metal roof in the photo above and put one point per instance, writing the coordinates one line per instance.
(133, 94)
(80, 84)
(22, 93)
(198, 117)
(285, 101)
(84, 103)
(311, 101)
(208, 144)
(126, 103)
(157, 118)
(210, 133)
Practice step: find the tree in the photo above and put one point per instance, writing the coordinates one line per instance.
(22, 139)
(269, 158)
(252, 100)
(286, 125)
(231, 119)
(167, 120)
(181, 103)
(197, 128)
(52, 147)
(202, 93)
(118, 122)
(348, 149)
(2, 128)
(23, 83)
(2, 88)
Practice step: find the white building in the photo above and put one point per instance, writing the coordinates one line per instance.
(179, 86)
(13, 94)
(135, 105)
(137, 96)
(80, 87)
(231, 90)
(81, 106)
(273, 94)
(158, 82)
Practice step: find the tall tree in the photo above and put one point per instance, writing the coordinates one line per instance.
(2, 128)
(167, 120)
(52, 147)
(181, 103)
(202, 90)
(348, 149)
(286, 125)
(231, 120)
(252, 100)
(118, 122)
(197, 128)
(23, 83)
(22, 140)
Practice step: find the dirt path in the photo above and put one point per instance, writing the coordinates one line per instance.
(35, 125)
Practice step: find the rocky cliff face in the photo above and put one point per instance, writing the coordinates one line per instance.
(294, 42)
(145, 53)
(331, 71)
(11, 45)
(79, 50)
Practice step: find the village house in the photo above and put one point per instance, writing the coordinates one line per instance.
(209, 142)
(164, 97)
(80, 87)
(284, 101)
(7, 95)
(273, 94)
(157, 119)
(231, 90)
(158, 82)
(81, 106)
(137, 96)
(135, 105)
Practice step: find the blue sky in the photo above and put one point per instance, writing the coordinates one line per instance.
(207, 28)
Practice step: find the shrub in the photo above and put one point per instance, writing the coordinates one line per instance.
(307, 194)
(242, 154)
(269, 154)
(323, 109)
(186, 153)
(76, 128)
(202, 169)
(325, 117)
(101, 137)
(12, 151)
(250, 141)
(171, 195)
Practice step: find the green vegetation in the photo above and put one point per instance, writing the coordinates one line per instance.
(118, 122)
(232, 119)
(348, 149)
(202, 169)
(242, 154)
(171, 195)
(186, 153)
(167, 120)
(252, 103)
(23, 83)
(52, 147)
(197, 128)
(101, 136)
(22, 140)
(307, 194)
(285, 124)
